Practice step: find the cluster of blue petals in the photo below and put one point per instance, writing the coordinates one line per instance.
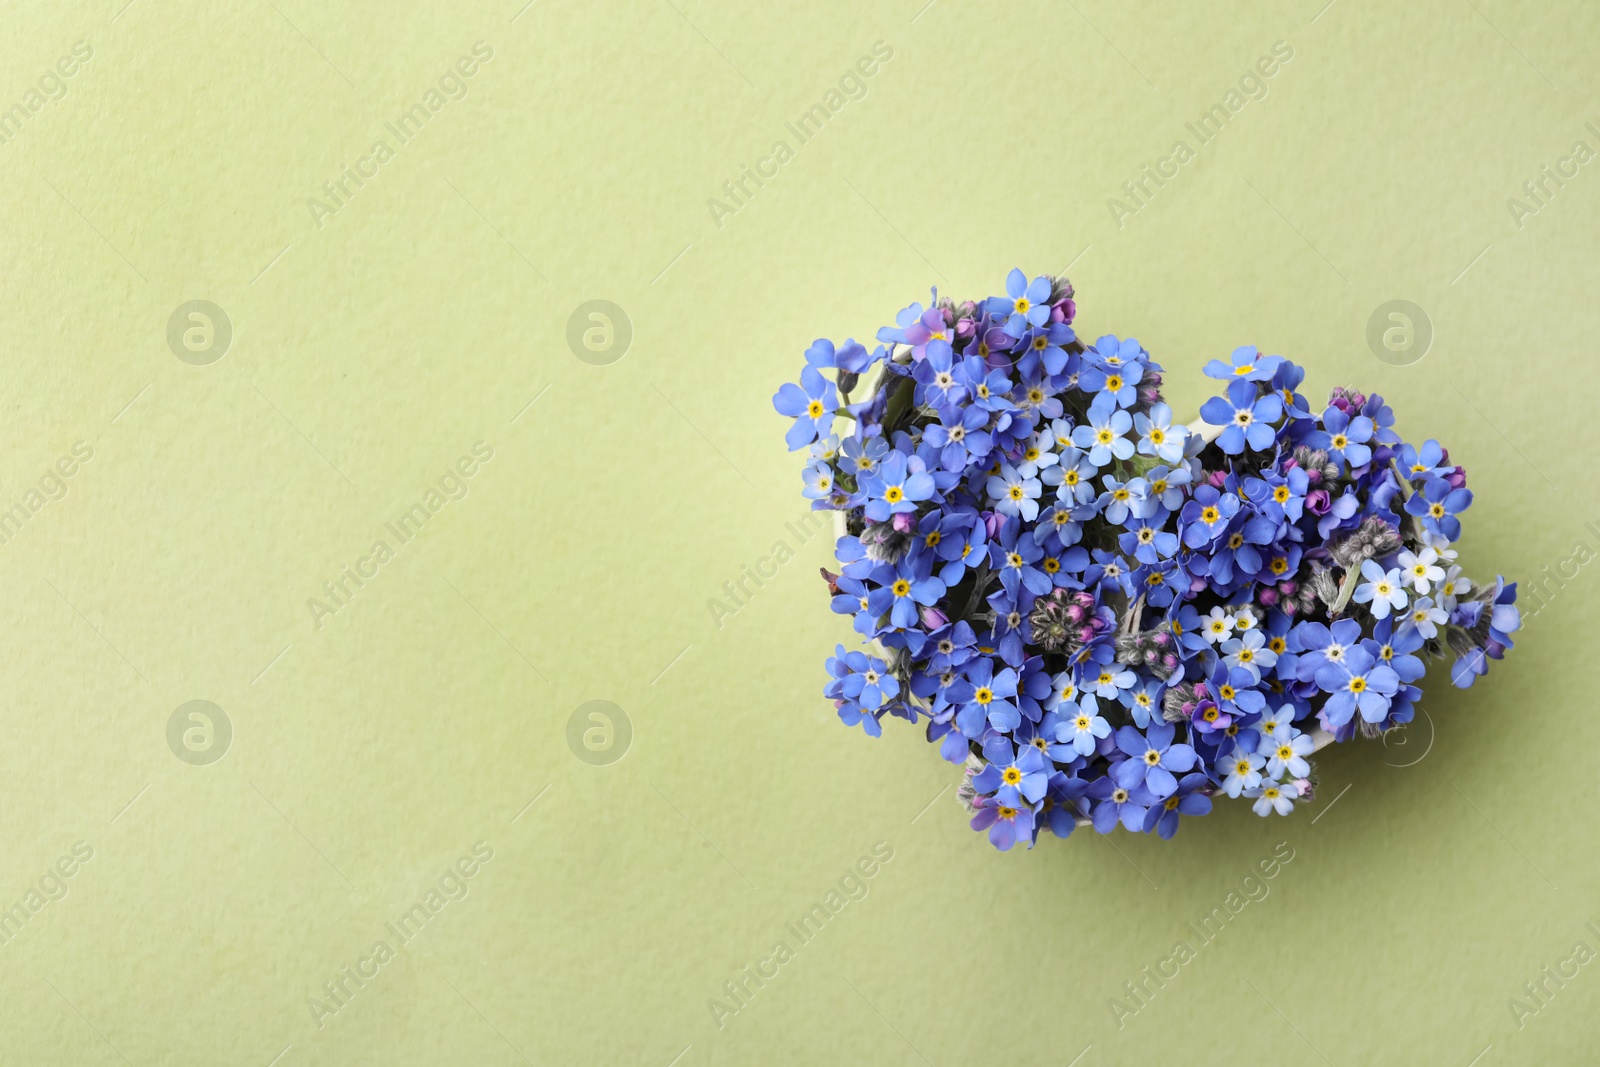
(1109, 617)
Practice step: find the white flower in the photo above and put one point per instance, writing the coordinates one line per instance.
(1274, 796)
(1217, 626)
(1419, 570)
(1286, 749)
(1382, 590)
(1455, 584)
(1038, 455)
(1244, 772)
(1249, 651)
(1440, 544)
(1426, 618)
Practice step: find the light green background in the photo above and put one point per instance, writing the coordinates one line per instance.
(370, 353)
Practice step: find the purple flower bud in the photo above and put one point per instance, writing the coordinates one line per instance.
(993, 522)
(1457, 477)
(1216, 479)
(1268, 598)
(904, 522)
(1318, 501)
(933, 618)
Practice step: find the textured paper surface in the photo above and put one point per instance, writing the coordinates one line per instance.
(380, 337)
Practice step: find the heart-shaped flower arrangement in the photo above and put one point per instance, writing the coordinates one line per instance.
(1107, 616)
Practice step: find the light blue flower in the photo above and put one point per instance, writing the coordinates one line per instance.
(1273, 797)
(811, 404)
(1243, 771)
(1426, 617)
(1249, 653)
(1083, 726)
(1158, 437)
(1025, 303)
(1286, 749)
(1383, 590)
(1247, 419)
(1013, 493)
(1103, 436)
